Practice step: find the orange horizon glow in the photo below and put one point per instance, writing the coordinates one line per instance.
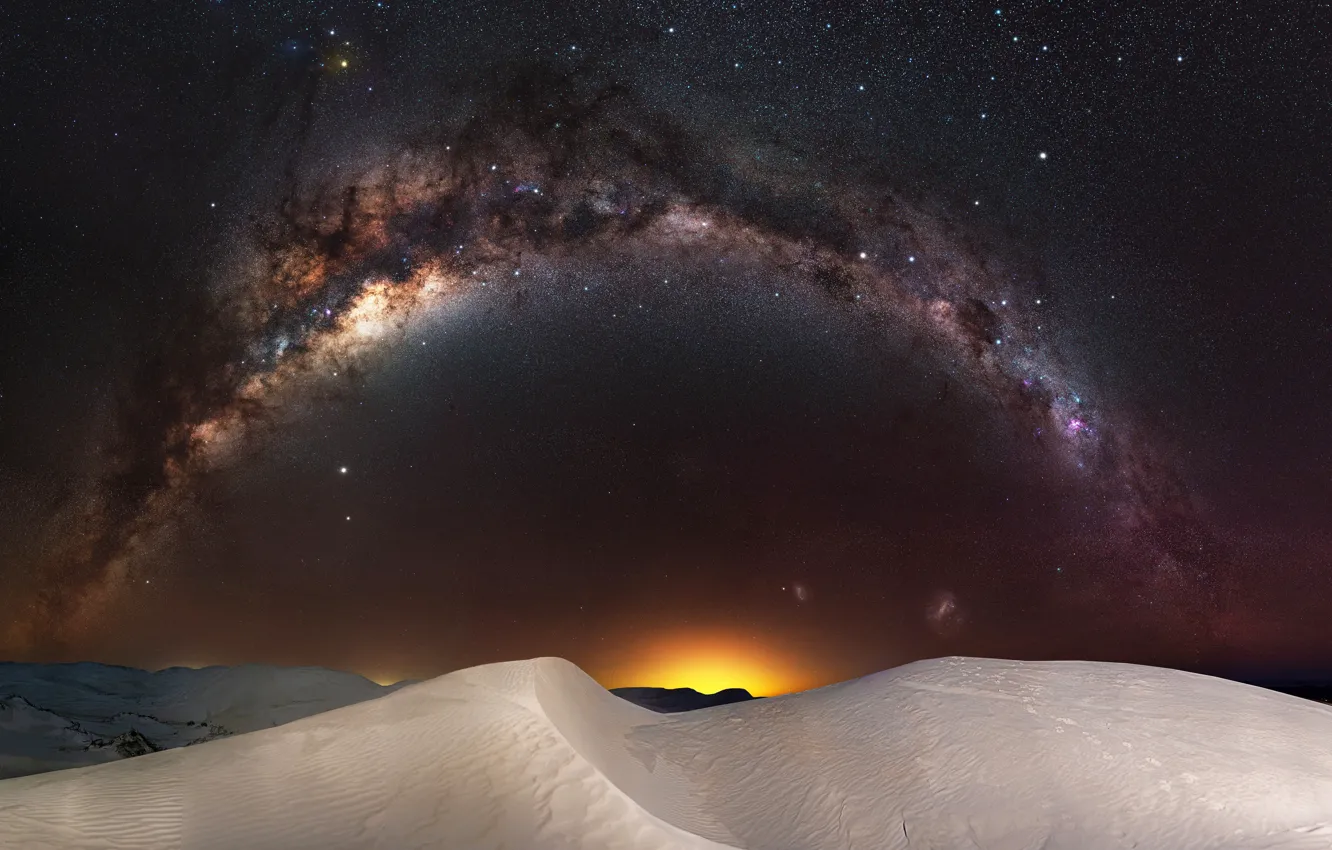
(704, 659)
(709, 663)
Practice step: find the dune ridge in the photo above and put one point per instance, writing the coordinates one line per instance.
(945, 753)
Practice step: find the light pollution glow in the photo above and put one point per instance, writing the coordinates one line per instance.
(709, 662)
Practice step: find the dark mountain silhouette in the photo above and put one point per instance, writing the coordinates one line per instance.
(672, 700)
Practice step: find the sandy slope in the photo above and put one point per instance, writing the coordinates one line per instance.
(952, 753)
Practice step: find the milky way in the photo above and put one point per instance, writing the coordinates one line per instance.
(588, 176)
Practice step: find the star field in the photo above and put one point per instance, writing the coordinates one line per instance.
(392, 337)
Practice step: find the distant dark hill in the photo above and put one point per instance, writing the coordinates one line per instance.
(672, 700)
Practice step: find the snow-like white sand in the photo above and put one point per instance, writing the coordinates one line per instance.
(55, 716)
(951, 753)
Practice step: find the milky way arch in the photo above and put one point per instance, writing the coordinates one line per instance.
(552, 173)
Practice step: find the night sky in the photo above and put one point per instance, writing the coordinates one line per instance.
(753, 344)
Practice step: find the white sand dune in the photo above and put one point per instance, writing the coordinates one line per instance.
(951, 753)
(55, 716)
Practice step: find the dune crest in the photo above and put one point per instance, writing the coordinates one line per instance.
(946, 753)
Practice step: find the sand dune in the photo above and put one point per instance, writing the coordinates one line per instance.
(55, 716)
(950, 753)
